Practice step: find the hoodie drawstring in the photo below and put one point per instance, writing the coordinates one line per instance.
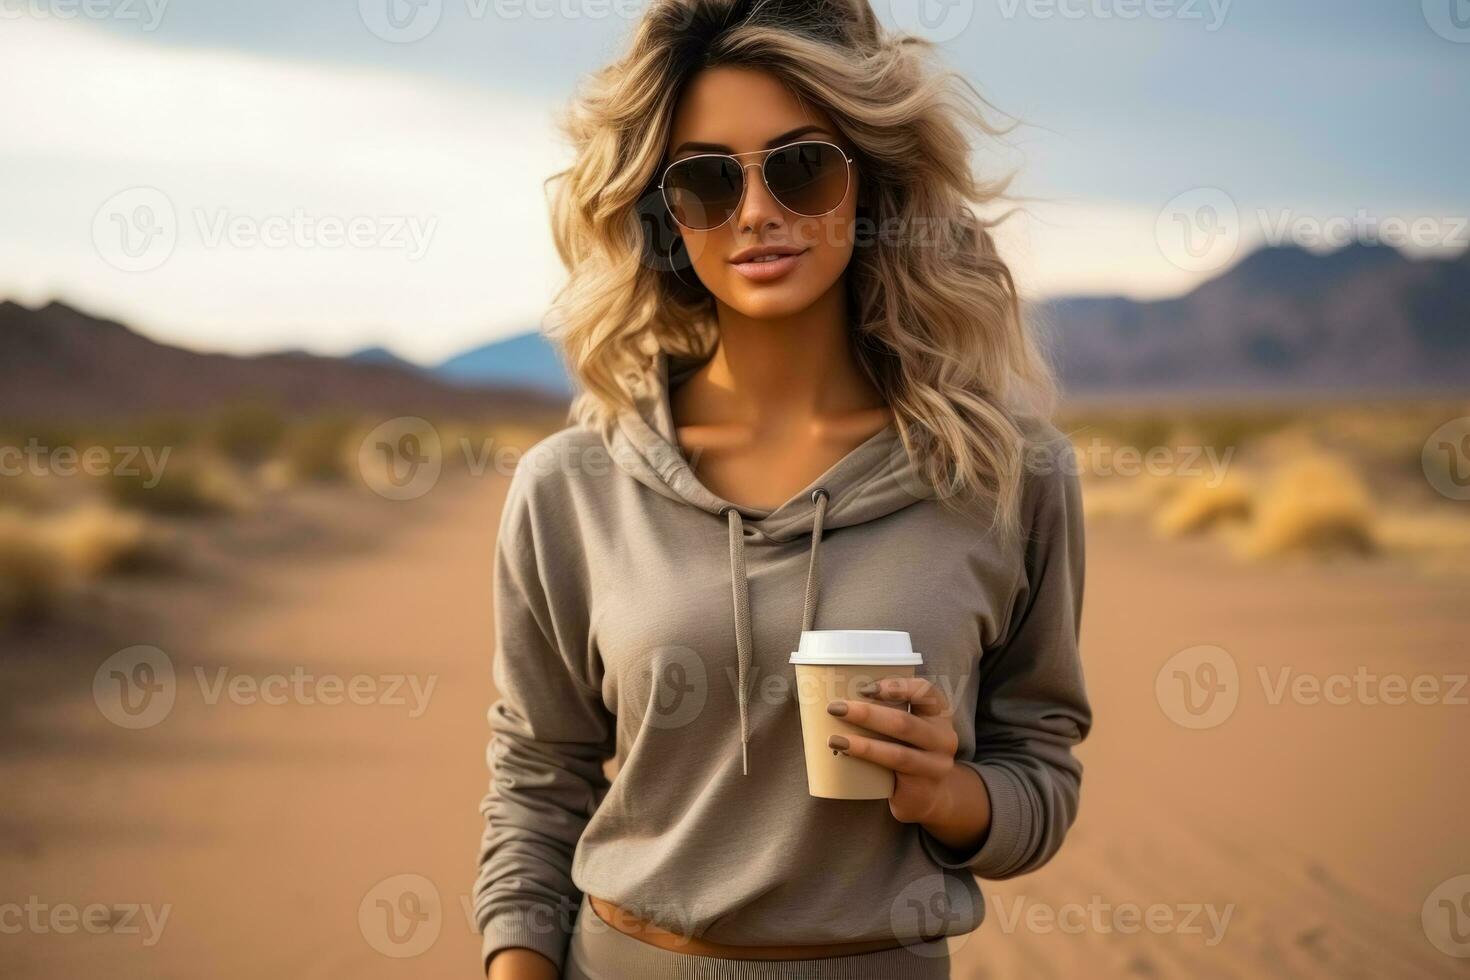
(740, 587)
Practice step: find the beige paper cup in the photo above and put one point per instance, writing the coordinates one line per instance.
(833, 664)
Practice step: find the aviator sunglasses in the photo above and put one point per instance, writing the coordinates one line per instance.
(808, 178)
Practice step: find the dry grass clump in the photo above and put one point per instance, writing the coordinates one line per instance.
(248, 433)
(1203, 505)
(31, 577)
(321, 450)
(1315, 503)
(44, 557)
(95, 540)
(187, 484)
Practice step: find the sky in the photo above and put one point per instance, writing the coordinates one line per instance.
(335, 174)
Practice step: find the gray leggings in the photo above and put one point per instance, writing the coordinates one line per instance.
(600, 952)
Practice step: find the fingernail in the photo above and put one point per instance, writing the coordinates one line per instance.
(836, 707)
(869, 689)
(837, 743)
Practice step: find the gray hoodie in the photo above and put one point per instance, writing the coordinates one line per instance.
(641, 618)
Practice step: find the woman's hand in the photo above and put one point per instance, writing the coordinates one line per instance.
(948, 799)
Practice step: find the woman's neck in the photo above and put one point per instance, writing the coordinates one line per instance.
(772, 374)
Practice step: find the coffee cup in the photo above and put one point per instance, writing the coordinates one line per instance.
(833, 664)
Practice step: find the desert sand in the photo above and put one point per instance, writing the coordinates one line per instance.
(307, 839)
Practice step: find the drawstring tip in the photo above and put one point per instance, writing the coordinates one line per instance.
(744, 768)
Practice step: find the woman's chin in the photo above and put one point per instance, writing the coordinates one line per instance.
(767, 301)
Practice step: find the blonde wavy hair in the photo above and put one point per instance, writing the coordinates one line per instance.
(937, 323)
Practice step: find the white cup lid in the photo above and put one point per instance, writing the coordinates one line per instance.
(860, 647)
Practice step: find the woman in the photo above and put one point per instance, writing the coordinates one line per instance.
(827, 360)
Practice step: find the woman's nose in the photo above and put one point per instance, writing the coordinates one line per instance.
(758, 209)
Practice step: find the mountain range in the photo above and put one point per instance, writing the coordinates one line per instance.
(1283, 320)
(57, 362)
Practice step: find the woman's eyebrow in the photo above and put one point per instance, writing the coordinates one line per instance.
(775, 141)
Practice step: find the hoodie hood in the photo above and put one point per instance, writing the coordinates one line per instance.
(873, 480)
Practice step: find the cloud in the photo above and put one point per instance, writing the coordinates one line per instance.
(260, 161)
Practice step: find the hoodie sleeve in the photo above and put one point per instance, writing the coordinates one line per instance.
(1032, 706)
(550, 733)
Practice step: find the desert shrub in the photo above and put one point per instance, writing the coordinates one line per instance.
(43, 558)
(1315, 504)
(187, 484)
(321, 449)
(1201, 505)
(96, 540)
(32, 575)
(247, 433)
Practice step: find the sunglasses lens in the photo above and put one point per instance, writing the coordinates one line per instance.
(808, 178)
(702, 192)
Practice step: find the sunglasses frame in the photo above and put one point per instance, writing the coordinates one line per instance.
(744, 184)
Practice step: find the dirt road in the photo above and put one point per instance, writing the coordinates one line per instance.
(306, 808)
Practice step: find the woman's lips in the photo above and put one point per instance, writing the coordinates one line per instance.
(768, 270)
